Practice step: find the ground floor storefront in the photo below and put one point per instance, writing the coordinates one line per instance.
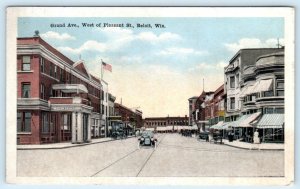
(70, 123)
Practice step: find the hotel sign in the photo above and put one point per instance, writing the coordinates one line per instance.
(63, 108)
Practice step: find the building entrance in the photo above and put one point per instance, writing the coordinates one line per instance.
(66, 127)
(85, 123)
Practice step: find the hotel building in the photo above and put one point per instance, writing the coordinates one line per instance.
(58, 99)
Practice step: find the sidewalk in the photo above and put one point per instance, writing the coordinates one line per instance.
(63, 145)
(250, 146)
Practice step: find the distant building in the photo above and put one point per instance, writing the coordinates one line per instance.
(172, 124)
(218, 106)
(111, 111)
(192, 109)
(130, 118)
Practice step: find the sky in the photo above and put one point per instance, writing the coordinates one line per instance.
(157, 69)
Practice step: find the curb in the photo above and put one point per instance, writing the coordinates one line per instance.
(75, 145)
(253, 148)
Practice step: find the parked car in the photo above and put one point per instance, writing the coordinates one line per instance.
(147, 139)
(119, 133)
(204, 136)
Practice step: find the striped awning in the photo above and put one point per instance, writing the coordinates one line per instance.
(219, 125)
(247, 90)
(271, 121)
(250, 119)
(227, 125)
(263, 85)
(237, 122)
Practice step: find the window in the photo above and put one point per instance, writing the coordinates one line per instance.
(51, 71)
(55, 71)
(232, 103)
(268, 93)
(269, 110)
(279, 110)
(102, 109)
(42, 63)
(26, 63)
(105, 110)
(280, 87)
(61, 75)
(66, 122)
(45, 123)
(102, 95)
(232, 82)
(42, 91)
(23, 122)
(280, 93)
(25, 90)
(280, 84)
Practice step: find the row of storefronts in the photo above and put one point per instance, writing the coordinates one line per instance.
(59, 100)
(251, 98)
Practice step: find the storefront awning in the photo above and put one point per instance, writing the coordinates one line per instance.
(202, 121)
(160, 128)
(271, 121)
(70, 88)
(219, 125)
(149, 129)
(237, 122)
(263, 85)
(227, 126)
(194, 127)
(247, 122)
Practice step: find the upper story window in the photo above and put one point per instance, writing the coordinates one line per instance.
(42, 63)
(279, 87)
(102, 95)
(42, 91)
(55, 71)
(61, 75)
(280, 84)
(26, 63)
(237, 79)
(25, 90)
(232, 103)
(51, 71)
(232, 82)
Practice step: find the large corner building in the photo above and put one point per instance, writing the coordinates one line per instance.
(58, 99)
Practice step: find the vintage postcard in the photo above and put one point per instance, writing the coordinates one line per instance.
(150, 95)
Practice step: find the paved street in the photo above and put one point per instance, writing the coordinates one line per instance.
(175, 156)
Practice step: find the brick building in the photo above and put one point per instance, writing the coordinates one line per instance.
(58, 99)
(131, 118)
(166, 123)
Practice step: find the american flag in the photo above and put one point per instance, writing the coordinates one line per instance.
(106, 66)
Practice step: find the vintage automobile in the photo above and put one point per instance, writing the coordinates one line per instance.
(119, 133)
(203, 136)
(147, 139)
